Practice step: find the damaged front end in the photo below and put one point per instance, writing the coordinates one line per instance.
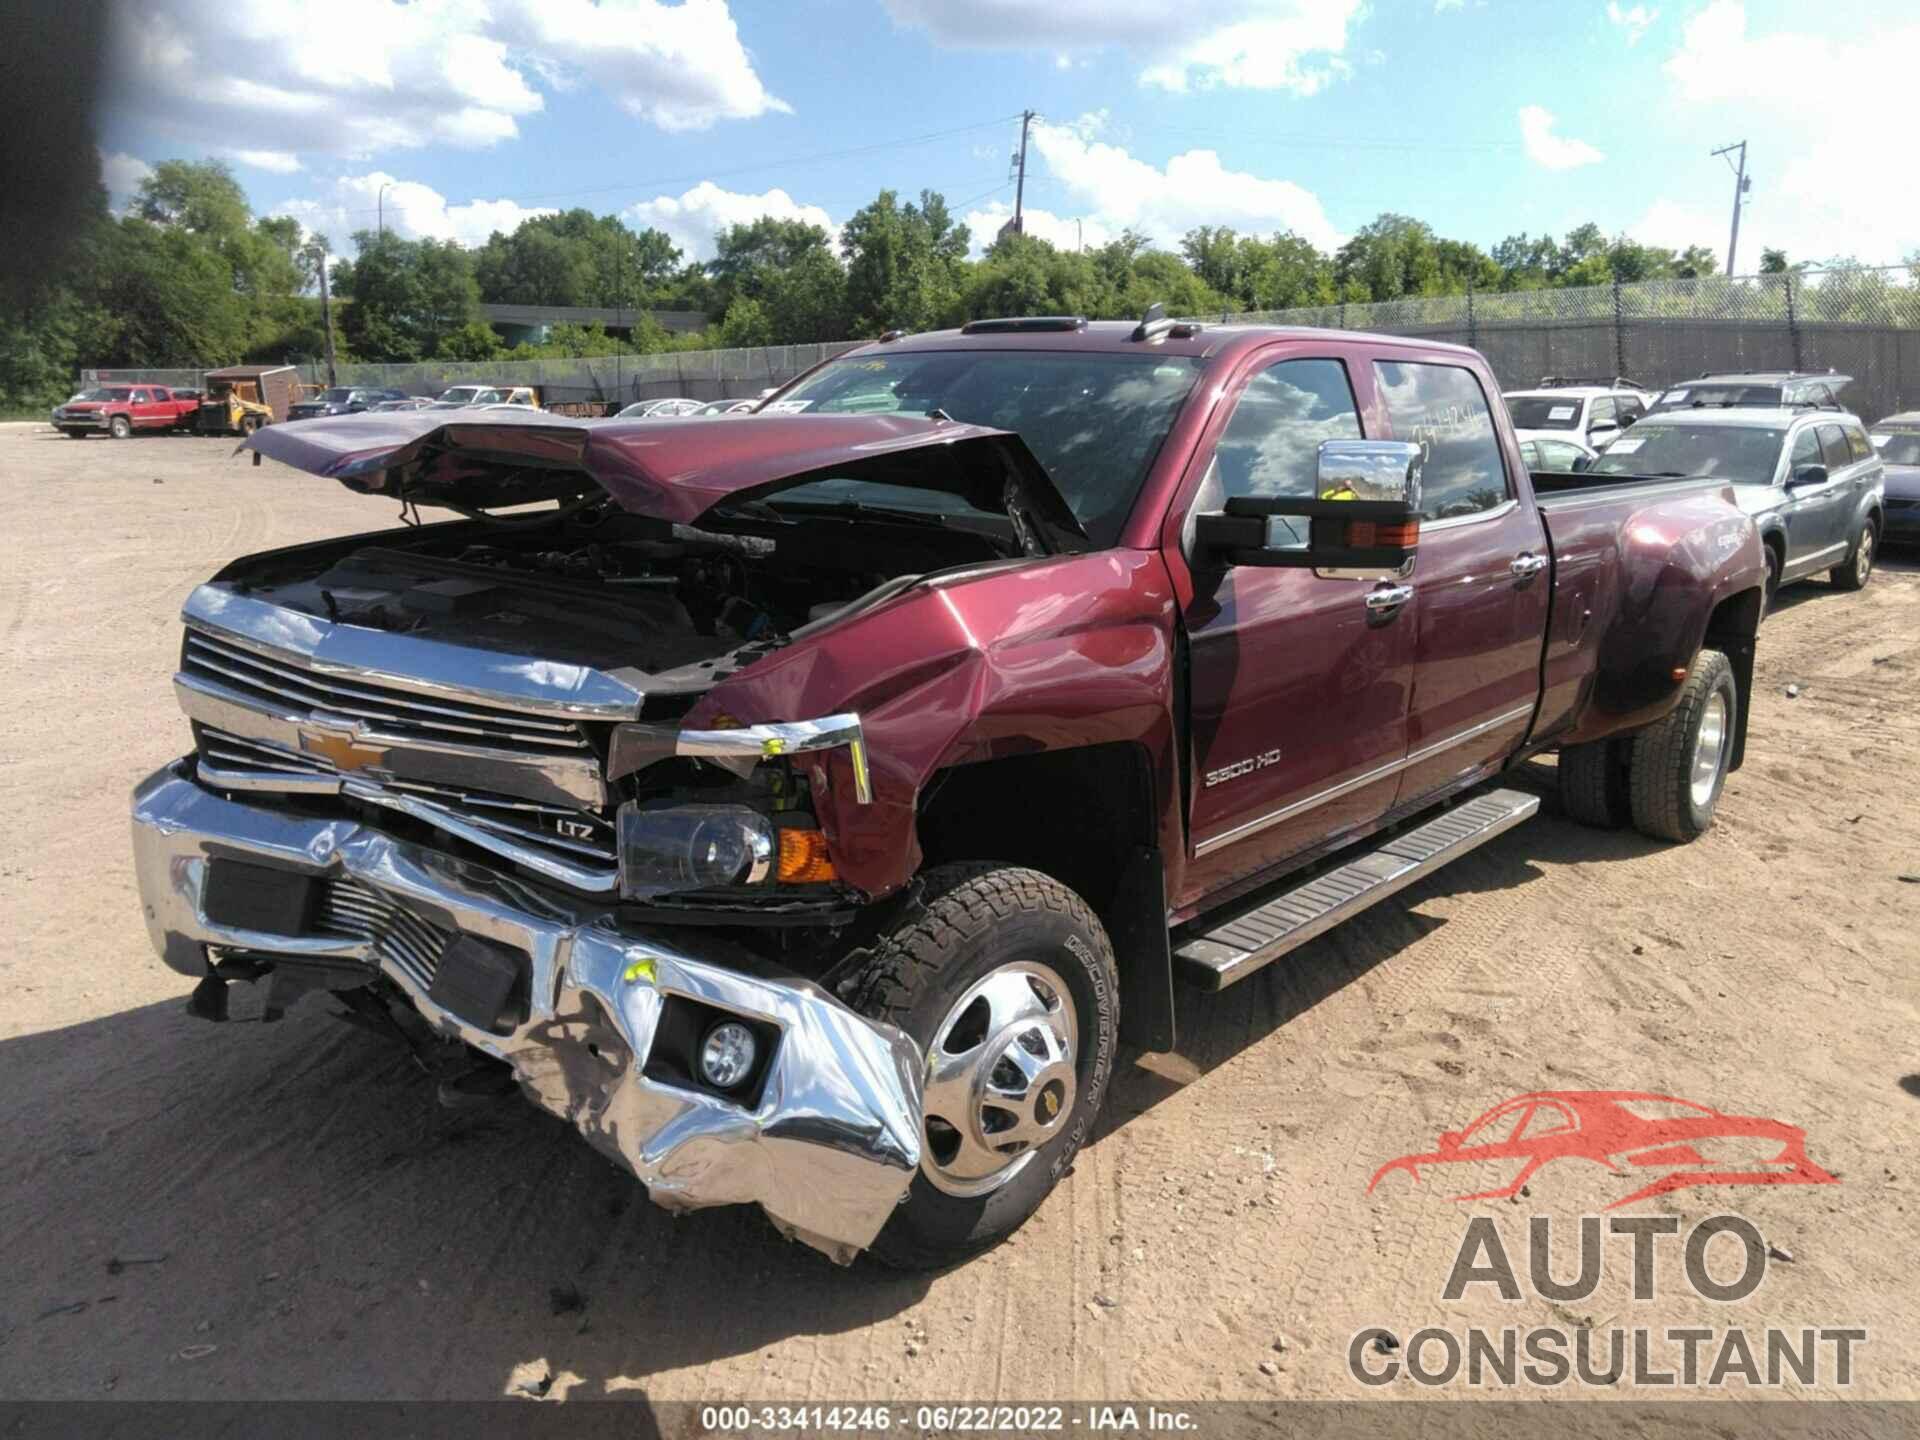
(601, 1022)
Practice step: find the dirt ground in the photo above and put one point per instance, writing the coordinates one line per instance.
(252, 1210)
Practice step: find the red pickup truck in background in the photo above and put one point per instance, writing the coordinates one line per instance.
(809, 804)
(119, 410)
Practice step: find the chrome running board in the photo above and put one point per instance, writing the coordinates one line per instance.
(1233, 950)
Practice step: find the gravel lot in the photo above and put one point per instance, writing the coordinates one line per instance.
(280, 1211)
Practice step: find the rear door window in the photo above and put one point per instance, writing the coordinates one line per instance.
(1442, 409)
(1857, 442)
(1834, 446)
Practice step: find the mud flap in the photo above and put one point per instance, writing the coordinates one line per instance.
(1141, 945)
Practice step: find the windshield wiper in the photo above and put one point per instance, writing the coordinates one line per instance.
(858, 510)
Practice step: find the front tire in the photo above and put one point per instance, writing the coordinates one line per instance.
(1007, 982)
(119, 427)
(1679, 764)
(1854, 574)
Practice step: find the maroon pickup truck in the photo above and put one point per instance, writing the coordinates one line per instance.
(808, 805)
(120, 410)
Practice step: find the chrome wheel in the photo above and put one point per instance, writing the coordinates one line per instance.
(1000, 1078)
(1710, 749)
(1863, 562)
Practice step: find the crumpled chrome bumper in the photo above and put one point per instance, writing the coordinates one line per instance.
(828, 1149)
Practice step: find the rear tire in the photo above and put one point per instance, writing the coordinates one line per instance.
(1679, 764)
(1594, 783)
(998, 973)
(119, 427)
(1771, 595)
(249, 424)
(1859, 567)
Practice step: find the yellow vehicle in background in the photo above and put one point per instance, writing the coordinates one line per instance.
(242, 398)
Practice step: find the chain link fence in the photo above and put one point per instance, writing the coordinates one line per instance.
(1861, 321)
(600, 385)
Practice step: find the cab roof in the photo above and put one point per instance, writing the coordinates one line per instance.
(1191, 338)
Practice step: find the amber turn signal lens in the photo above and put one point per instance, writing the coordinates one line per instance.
(1374, 534)
(804, 859)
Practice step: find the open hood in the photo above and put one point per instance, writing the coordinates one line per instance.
(672, 470)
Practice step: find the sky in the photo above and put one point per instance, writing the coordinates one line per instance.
(1482, 117)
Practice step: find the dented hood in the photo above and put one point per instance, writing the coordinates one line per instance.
(673, 470)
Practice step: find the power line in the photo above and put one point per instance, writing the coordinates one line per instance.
(691, 177)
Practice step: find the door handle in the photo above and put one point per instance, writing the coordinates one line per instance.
(1526, 565)
(1388, 598)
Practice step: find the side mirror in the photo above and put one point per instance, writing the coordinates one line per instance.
(1363, 524)
(1808, 475)
(1603, 427)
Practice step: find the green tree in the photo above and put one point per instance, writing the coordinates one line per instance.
(406, 296)
(905, 263)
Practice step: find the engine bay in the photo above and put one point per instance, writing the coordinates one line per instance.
(602, 588)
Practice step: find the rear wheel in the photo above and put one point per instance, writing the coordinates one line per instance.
(1679, 764)
(119, 427)
(1771, 595)
(1853, 575)
(249, 424)
(1006, 981)
(1593, 783)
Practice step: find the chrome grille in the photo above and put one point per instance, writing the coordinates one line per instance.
(288, 687)
(354, 911)
(586, 843)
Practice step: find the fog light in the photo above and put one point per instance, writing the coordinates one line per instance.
(727, 1054)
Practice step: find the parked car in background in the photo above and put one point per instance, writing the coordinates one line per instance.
(1810, 479)
(120, 410)
(405, 402)
(667, 408)
(1751, 388)
(1590, 412)
(829, 796)
(728, 407)
(1897, 438)
(459, 397)
(1566, 456)
(342, 400)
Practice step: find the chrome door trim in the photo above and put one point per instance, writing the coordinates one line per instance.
(1347, 787)
(1455, 522)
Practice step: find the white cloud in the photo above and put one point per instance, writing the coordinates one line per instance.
(1636, 20)
(280, 162)
(1827, 152)
(1066, 232)
(1112, 191)
(122, 174)
(1551, 151)
(1293, 45)
(1441, 7)
(355, 77)
(693, 218)
(408, 208)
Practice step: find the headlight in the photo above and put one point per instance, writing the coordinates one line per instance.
(692, 847)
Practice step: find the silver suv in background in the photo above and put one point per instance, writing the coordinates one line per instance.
(1810, 479)
(1747, 389)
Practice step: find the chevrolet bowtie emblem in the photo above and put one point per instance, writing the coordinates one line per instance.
(340, 748)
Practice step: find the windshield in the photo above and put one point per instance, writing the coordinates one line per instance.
(109, 394)
(1742, 453)
(1544, 412)
(1901, 447)
(336, 396)
(468, 395)
(1094, 420)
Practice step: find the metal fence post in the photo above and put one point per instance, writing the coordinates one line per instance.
(1793, 323)
(1619, 329)
(1473, 329)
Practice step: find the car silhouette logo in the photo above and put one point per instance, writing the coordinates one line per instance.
(1680, 1142)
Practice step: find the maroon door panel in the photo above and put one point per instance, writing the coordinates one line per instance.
(1481, 583)
(1297, 695)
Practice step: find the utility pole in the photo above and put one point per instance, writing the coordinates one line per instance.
(1740, 187)
(326, 317)
(1020, 188)
(380, 206)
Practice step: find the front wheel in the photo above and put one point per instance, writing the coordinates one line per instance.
(1853, 575)
(1006, 981)
(1679, 764)
(119, 427)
